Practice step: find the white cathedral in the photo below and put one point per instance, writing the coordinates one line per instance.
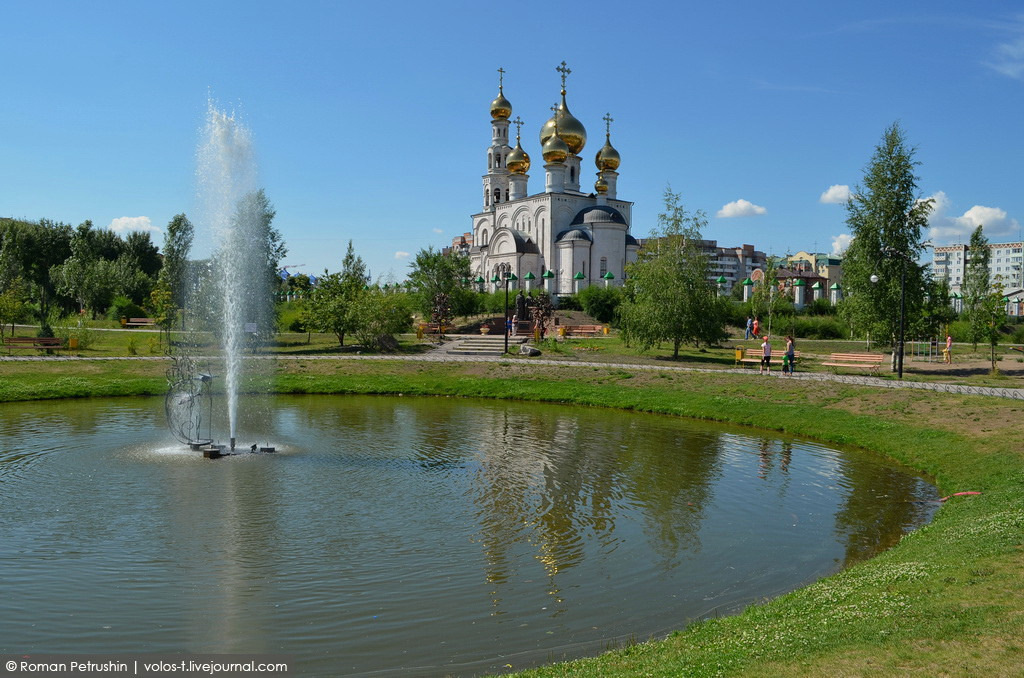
(562, 238)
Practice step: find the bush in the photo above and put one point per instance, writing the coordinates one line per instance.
(811, 327)
(602, 303)
(123, 307)
(570, 303)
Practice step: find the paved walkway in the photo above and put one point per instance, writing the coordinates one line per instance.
(440, 354)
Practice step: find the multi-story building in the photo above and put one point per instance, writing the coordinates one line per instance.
(735, 264)
(1006, 261)
(826, 266)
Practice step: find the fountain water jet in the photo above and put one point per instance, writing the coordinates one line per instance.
(235, 215)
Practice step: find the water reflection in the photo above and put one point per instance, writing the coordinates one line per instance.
(456, 531)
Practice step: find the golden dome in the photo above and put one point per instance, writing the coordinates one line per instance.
(601, 186)
(501, 109)
(570, 129)
(518, 161)
(607, 158)
(555, 149)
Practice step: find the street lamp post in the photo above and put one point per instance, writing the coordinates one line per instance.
(904, 258)
(508, 278)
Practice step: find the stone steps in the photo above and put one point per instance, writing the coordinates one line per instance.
(485, 345)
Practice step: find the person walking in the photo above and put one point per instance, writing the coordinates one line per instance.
(750, 328)
(947, 353)
(789, 359)
(756, 327)
(766, 355)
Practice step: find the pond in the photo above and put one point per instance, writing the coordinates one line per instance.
(415, 536)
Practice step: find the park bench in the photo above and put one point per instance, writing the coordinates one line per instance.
(138, 322)
(753, 355)
(41, 343)
(434, 328)
(869, 361)
(583, 330)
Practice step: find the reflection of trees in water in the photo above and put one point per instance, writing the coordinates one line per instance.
(878, 506)
(672, 473)
(557, 483)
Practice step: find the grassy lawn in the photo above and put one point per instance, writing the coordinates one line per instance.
(945, 601)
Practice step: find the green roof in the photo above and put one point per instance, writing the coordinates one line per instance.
(479, 279)
(720, 280)
(835, 286)
(747, 281)
(800, 283)
(609, 276)
(529, 276)
(547, 274)
(578, 276)
(816, 286)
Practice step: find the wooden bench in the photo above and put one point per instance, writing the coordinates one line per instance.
(138, 322)
(435, 328)
(869, 361)
(583, 330)
(753, 355)
(41, 343)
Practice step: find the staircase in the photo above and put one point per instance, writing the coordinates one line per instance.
(485, 345)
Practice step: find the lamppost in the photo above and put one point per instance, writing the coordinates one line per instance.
(508, 278)
(892, 252)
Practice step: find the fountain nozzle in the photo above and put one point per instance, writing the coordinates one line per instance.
(232, 444)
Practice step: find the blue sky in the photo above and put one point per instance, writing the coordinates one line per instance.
(370, 120)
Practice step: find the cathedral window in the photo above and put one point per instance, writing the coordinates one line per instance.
(572, 174)
(490, 161)
(506, 194)
(604, 265)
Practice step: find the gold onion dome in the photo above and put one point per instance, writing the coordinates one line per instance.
(518, 161)
(501, 109)
(569, 128)
(607, 158)
(555, 149)
(601, 186)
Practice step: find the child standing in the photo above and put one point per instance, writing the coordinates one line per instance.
(766, 355)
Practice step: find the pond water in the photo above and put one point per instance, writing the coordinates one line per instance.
(426, 536)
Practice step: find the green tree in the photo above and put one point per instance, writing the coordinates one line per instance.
(329, 306)
(992, 310)
(886, 217)
(12, 305)
(669, 293)
(177, 245)
(977, 288)
(768, 297)
(437, 279)
(377, 316)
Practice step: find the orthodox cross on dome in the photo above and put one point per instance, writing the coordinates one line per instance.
(608, 120)
(519, 126)
(564, 70)
(501, 77)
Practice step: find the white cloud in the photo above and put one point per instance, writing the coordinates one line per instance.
(840, 243)
(944, 229)
(438, 230)
(126, 224)
(401, 255)
(1009, 59)
(837, 194)
(740, 208)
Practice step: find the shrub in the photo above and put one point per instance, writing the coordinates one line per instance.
(123, 307)
(602, 303)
